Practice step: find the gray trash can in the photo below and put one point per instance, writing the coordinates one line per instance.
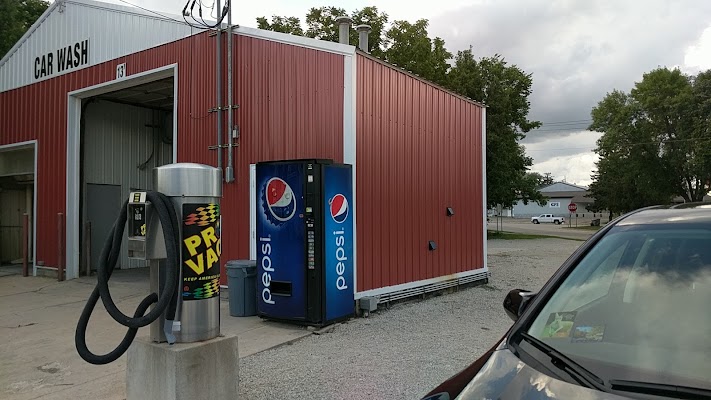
(242, 282)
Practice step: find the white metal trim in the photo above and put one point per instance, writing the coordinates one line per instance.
(34, 213)
(72, 195)
(73, 143)
(301, 41)
(349, 145)
(35, 144)
(252, 211)
(175, 113)
(152, 75)
(410, 285)
(483, 180)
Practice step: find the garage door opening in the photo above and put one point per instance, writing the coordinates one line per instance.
(117, 132)
(124, 135)
(17, 197)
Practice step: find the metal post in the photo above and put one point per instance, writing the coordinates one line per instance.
(25, 252)
(60, 247)
(229, 171)
(218, 88)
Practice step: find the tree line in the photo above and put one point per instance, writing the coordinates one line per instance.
(491, 80)
(656, 142)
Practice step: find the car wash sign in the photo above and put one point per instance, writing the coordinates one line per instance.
(64, 59)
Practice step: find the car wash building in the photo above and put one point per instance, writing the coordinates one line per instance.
(95, 95)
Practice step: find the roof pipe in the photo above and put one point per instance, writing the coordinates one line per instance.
(363, 33)
(344, 26)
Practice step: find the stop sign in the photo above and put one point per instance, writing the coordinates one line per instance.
(572, 207)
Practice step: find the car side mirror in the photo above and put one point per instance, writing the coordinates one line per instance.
(516, 302)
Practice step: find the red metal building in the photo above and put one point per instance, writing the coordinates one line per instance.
(85, 114)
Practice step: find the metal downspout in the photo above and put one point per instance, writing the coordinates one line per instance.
(218, 90)
(229, 172)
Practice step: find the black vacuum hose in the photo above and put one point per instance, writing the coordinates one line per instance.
(107, 261)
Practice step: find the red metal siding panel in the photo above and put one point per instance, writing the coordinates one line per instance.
(291, 106)
(418, 152)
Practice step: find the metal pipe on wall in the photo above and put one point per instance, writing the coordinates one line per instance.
(229, 171)
(218, 89)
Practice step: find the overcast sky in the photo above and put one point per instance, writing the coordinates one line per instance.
(577, 52)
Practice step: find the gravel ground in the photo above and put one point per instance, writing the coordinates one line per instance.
(404, 351)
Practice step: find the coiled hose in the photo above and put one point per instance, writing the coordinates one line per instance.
(107, 262)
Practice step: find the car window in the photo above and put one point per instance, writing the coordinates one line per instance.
(636, 306)
(597, 284)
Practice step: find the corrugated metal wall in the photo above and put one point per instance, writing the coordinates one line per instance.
(290, 106)
(119, 149)
(418, 152)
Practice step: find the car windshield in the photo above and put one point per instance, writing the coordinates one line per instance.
(637, 307)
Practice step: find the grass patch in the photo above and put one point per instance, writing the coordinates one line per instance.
(513, 235)
(522, 236)
(586, 227)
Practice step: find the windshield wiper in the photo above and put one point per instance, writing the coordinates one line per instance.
(563, 362)
(660, 389)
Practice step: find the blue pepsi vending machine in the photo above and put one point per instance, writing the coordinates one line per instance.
(305, 241)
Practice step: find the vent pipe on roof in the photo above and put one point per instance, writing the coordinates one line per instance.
(344, 26)
(363, 32)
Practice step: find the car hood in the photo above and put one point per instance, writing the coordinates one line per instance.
(505, 376)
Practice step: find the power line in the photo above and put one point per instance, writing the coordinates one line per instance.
(560, 149)
(573, 128)
(625, 145)
(151, 11)
(567, 122)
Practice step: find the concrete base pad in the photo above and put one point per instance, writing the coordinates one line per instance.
(201, 370)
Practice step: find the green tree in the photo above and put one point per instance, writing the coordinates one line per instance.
(377, 20)
(290, 25)
(505, 90)
(655, 142)
(321, 24)
(409, 47)
(18, 17)
(547, 179)
(541, 179)
(528, 189)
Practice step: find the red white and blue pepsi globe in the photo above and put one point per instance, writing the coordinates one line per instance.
(339, 208)
(280, 200)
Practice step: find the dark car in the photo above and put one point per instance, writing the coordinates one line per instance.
(627, 316)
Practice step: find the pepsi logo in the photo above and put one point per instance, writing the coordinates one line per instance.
(280, 200)
(339, 208)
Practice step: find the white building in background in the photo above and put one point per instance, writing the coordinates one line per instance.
(559, 195)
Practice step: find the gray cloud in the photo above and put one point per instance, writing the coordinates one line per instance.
(577, 51)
